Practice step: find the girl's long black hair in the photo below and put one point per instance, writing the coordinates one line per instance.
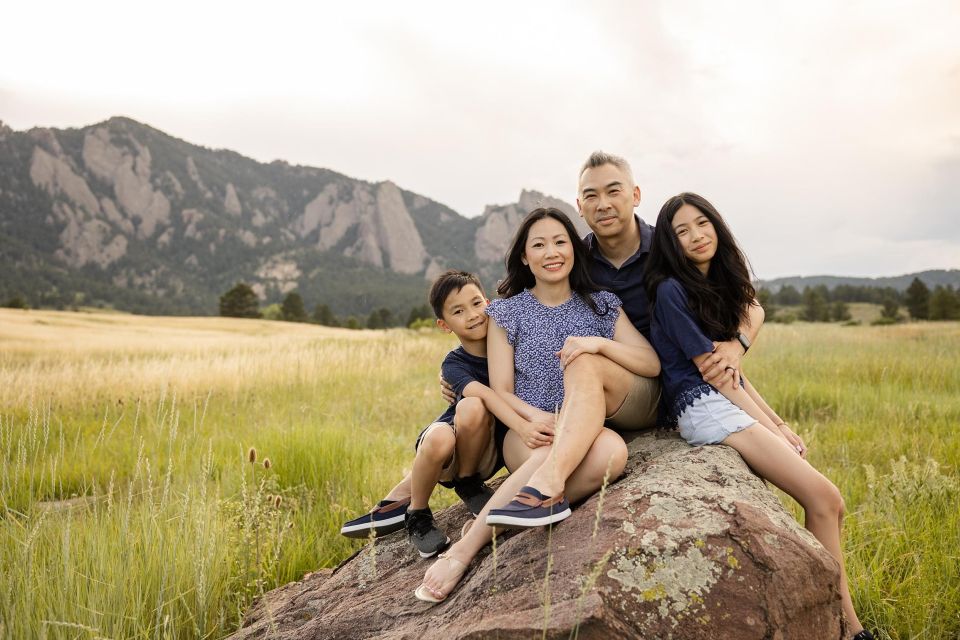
(720, 299)
(519, 276)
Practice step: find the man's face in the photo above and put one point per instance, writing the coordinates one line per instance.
(606, 200)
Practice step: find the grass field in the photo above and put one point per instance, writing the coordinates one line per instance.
(129, 507)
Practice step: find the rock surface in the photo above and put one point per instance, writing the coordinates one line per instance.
(689, 544)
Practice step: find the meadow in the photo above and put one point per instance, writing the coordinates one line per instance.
(130, 507)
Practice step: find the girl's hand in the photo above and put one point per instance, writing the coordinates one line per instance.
(795, 441)
(536, 434)
(576, 345)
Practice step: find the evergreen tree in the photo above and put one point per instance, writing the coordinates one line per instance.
(292, 308)
(815, 307)
(381, 318)
(839, 311)
(944, 304)
(423, 312)
(890, 308)
(240, 302)
(351, 323)
(16, 302)
(323, 315)
(788, 295)
(918, 300)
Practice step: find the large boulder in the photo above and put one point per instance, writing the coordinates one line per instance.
(689, 544)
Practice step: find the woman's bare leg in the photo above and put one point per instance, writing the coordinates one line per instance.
(594, 388)
(822, 502)
(607, 455)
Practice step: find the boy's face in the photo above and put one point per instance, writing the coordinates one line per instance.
(463, 314)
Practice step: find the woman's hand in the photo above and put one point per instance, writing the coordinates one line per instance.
(539, 415)
(536, 434)
(577, 345)
(795, 441)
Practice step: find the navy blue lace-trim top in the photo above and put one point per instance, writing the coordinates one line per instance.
(678, 338)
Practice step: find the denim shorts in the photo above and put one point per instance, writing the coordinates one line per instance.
(710, 419)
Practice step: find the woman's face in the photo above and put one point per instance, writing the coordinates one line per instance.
(698, 238)
(548, 251)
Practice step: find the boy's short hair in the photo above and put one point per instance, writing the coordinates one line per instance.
(448, 282)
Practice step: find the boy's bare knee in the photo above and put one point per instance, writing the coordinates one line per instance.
(438, 445)
(471, 414)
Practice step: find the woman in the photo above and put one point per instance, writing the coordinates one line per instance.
(699, 285)
(553, 330)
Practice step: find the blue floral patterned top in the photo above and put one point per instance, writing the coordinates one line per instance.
(537, 332)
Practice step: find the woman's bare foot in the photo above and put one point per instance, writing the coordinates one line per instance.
(443, 576)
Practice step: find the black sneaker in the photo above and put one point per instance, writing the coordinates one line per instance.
(424, 534)
(864, 635)
(474, 493)
(387, 517)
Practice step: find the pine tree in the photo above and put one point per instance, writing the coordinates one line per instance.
(890, 308)
(292, 308)
(918, 300)
(944, 304)
(815, 307)
(240, 302)
(323, 315)
(839, 311)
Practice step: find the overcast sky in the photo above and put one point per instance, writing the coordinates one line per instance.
(828, 133)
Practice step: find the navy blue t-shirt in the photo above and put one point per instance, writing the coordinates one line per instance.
(627, 281)
(677, 337)
(459, 369)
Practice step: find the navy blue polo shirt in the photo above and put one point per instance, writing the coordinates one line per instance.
(627, 281)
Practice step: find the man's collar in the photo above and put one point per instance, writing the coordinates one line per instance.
(646, 241)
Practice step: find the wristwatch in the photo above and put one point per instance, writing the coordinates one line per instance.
(744, 342)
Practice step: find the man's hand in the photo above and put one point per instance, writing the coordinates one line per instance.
(723, 364)
(446, 391)
(795, 441)
(574, 346)
(536, 434)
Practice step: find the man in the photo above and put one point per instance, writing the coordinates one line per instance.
(619, 244)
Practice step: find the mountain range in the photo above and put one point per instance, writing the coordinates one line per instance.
(123, 215)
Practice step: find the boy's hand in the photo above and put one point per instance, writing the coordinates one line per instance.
(446, 391)
(542, 416)
(536, 434)
(576, 345)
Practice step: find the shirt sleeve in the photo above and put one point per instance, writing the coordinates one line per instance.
(502, 312)
(608, 304)
(457, 372)
(678, 322)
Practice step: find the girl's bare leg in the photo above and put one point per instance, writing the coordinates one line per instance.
(608, 454)
(822, 503)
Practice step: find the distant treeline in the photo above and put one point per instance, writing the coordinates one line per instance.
(820, 304)
(242, 302)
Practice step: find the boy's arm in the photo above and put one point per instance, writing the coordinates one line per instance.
(728, 354)
(532, 433)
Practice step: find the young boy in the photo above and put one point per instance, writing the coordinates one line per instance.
(463, 447)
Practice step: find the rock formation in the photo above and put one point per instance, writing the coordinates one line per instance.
(500, 222)
(689, 544)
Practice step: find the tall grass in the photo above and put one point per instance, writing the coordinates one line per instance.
(129, 507)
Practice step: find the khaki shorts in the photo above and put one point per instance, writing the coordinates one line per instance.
(639, 408)
(489, 463)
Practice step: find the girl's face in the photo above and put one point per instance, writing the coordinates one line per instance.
(548, 251)
(698, 238)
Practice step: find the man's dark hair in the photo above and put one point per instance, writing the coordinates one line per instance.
(449, 282)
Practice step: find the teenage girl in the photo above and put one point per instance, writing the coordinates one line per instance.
(555, 340)
(699, 285)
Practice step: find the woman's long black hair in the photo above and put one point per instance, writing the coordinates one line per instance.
(720, 299)
(520, 277)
